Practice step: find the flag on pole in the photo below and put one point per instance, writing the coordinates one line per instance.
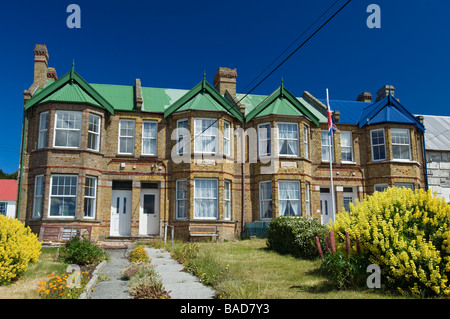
(331, 126)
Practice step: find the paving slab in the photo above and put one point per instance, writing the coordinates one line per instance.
(179, 284)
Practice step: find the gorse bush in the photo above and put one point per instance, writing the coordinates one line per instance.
(407, 234)
(295, 236)
(18, 247)
(81, 251)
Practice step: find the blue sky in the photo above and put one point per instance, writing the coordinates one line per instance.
(171, 43)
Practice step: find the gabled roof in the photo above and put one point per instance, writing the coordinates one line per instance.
(203, 97)
(71, 87)
(8, 189)
(282, 102)
(387, 110)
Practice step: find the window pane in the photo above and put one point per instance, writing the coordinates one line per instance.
(287, 139)
(289, 198)
(264, 146)
(205, 194)
(265, 203)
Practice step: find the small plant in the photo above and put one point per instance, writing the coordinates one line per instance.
(138, 254)
(185, 253)
(137, 269)
(81, 251)
(59, 286)
(18, 247)
(147, 287)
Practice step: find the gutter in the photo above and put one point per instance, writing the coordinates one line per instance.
(243, 179)
(22, 153)
(425, 160)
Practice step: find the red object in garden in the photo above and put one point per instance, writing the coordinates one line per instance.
(318, 247)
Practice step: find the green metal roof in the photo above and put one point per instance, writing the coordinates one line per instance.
(121, 97)
(159, 99)
(71, 92)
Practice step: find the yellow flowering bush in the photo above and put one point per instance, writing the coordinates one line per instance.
(407, 234)
(18, 247)
(138, 254)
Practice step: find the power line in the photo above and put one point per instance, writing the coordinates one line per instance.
(282, 62)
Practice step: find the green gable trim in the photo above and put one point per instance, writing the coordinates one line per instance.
(209, 99)
(282, 102)
(78, 91)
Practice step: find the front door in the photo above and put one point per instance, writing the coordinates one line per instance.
(325, 205)
(149, 212)
(120, 213)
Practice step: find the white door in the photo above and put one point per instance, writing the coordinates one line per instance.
(149, 212)
(120, 213)
(325, 205)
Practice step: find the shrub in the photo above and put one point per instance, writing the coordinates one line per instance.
(18, 247)
(407, 234)
(81, 251)
(147, 287)
(295, 236)
(137, 269)
(138, 254)
(58, 287)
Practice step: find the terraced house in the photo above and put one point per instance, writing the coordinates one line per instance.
(118, 161)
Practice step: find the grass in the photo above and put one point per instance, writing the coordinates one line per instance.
(27, 285)
(248, 270)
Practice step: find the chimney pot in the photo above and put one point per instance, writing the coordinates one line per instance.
(365, 97)
(384, 91)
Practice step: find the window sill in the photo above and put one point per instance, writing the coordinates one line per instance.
(348, 162)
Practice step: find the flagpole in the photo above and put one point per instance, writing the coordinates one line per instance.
(330, 136)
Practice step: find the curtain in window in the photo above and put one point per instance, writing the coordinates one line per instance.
(68, 129)
(149, 136)
(287, 139)
(400, 144)
(205, 195)
(289, 198)
(205, 136)
(264, 140)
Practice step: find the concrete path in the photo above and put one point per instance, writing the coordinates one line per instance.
(179, 284)
(114, 287)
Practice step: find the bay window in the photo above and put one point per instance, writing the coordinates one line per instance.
(264, 146)
(67, 129)
(378, 145)
(90, 192)
(205, 140)
(38, 192)
(63, 195)
(227, 200)
(94, 132)
(289, 198)
(265, 200)
(181, 199)
(226, 138)
(401, 145)
(288, 139)
(43, 127)
(205, 198)
(183, 141)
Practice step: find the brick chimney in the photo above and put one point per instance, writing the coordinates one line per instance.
(364, 97)
(51, 74)
(225, 80)
(384, 91)
(40, 65)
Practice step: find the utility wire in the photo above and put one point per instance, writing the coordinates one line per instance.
(282, 62)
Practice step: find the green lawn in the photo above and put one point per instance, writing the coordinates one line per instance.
(248, 270)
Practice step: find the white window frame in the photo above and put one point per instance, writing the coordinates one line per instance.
(299, 199)
(372, 145)
(178, 200)
(205, 134)
(93, 133)
(327, 146)
(405, 185)
(306, 141)
(43, 131)
(92, 198)
(288, 139)
(38, 198)
(347, 147)
(261, 200)
(382, 185)
(132, 137)
(308, 198)
(183, 141)
(227, 138)
(400, 145)
(146, 138)
(63, 196)
(216, 198)
(56, 129)
(227, 200)
(264, 139)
